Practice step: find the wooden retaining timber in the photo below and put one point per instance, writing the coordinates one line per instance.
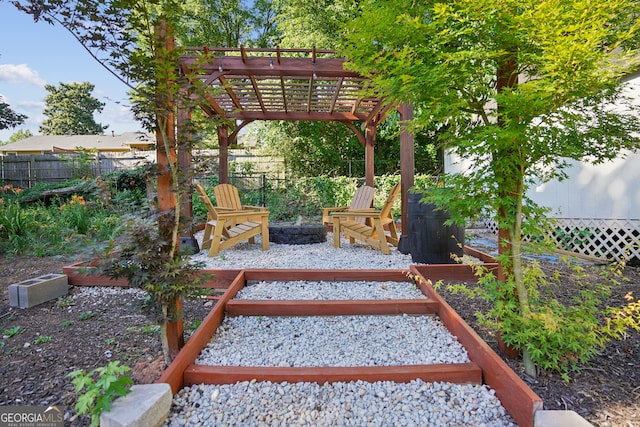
(329, 308)
(459, 373)
(485, 367)
(464, 373)
(84, 274)
(174, 374)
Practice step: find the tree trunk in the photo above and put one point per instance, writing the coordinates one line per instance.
(172, 330)
(518, 273)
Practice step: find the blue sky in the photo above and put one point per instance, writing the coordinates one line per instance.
(34, 54)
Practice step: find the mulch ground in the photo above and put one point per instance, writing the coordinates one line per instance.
(33, 369)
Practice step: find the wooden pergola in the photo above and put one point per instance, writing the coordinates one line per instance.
(236, 86)
(243, 85)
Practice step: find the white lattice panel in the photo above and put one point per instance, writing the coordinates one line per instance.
(613, 239)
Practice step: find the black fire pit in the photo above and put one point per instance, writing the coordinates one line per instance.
(297, 234)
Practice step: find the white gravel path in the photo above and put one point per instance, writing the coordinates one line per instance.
(331, 341)
(314, 256)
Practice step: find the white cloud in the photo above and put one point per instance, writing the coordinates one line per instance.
(31, 105)
(20, 73)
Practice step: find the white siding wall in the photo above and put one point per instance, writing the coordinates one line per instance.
(607, 191)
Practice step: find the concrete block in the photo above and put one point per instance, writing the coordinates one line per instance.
(29, 293)
(147, 405)
(559, 419)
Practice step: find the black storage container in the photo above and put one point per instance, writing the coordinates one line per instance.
(430, 240)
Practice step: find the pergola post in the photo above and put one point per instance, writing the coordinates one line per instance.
(185, 159)
(166, 157)
(223, 155)
(369, 149)
(407, 170)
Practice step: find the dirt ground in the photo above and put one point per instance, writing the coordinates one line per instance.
(87, 329)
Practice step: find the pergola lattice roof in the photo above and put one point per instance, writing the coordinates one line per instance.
(278, 84)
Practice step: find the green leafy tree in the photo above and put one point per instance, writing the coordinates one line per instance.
(8, 117)
(20, 134)
(331, 148)
(265, 30)
(69, 110)
(226, 23)
(127, 38)
(314, 148)
(318, 148)
(306, 24)
(522, 86)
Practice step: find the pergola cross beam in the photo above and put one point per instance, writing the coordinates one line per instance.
(252, 84)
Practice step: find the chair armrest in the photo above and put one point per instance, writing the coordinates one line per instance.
(243, 214)
(253, 208)
(359, 213)
(335, 208)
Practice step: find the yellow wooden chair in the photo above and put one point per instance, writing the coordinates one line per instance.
(371, 228)
(227, 197)
(362, 199)
(227, 227)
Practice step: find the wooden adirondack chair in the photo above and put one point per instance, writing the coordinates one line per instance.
(362, 199)
(227, 197)
(372, 230)
(228, 227)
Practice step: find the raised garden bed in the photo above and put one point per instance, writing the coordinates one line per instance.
(485, 367)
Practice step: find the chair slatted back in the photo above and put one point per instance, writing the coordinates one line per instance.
(385, 212)
(363, 197)
(227, 196)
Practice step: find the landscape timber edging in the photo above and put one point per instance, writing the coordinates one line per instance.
(83, 274)
(516, 396)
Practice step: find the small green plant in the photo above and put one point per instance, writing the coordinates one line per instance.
(134, 355)
(150, 329)
(76, 214)
(65, 302)
(194, 325)
(42, 339)
(15, 330)
(86, 315)
(2, 344)
(66, 323)
(110, 341)
(99, 388)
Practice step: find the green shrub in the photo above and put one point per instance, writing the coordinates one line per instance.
(65, 225)
(76, 214)
(100, 387)
(559, 337)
